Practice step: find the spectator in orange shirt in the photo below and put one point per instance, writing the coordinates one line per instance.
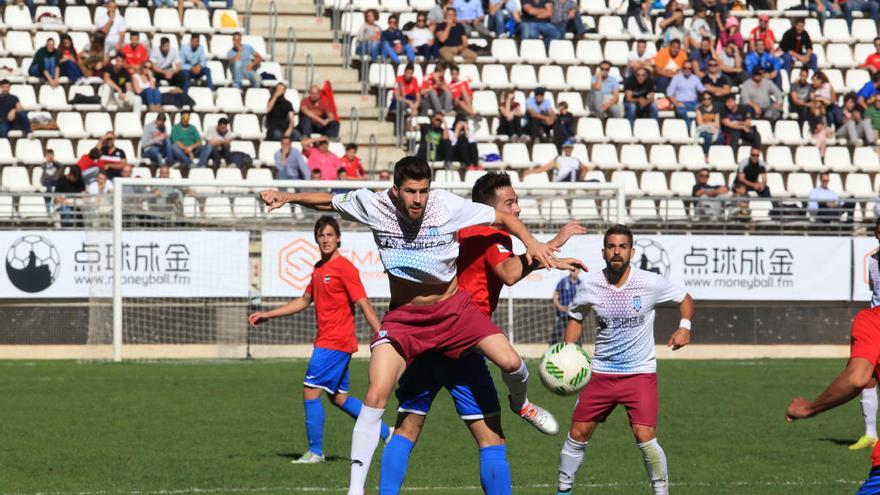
(134, 52)
(763, 32)
(352, 163)
(872, 63)
(668, 63)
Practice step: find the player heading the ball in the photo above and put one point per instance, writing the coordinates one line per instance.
(624, 362)
(335, 287)
(415, 229)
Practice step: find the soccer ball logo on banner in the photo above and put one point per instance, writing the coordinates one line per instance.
(32, 263)
(651, 256)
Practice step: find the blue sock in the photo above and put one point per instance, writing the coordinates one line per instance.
(315, 425)
(494, 470)
(352, 406)
(395, 459)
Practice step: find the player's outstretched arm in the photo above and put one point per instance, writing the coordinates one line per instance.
(535, 250)
(369, 313)
(848, 384)
(682, 336)
(292, 307)
(321, 201)
(571, 228)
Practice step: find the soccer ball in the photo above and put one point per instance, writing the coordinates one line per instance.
(651, 256)
(32, 263)
(565, 368)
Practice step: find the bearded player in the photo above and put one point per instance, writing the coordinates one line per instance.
(624, 365)
(485, 263)
(415, 230)
(862, 368)
(869, 394)
(335, 287)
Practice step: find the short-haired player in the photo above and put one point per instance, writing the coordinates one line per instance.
(869, 394)
(624, 362)
(863, 367)
(335, 288)
(415, 229)
(485, 264)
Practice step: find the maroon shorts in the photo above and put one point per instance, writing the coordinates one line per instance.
(449, 327)
(637, 392)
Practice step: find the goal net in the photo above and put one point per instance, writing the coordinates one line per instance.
(189, 260)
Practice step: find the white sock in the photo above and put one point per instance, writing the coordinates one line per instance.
(517, 384)
(655, 464)
(869, 411)
(570, 460)
(364, 440)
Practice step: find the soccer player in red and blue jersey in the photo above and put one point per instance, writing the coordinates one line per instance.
(485, 264)
(863, 366)
(335, 288)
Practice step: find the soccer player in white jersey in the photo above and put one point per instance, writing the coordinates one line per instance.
(869, 394)
(624, 365)
(415, 231)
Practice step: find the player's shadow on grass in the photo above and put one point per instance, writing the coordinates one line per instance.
(839, 441)
(296, 455)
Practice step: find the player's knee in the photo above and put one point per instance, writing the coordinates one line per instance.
(509, 362)
(375, 399)
(644, 433)
(338, 399)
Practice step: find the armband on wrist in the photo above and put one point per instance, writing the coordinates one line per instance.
(684, 323)
(526, 267)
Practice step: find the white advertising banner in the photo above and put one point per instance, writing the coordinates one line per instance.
(709, 267)
(863, 248)
(79, 264)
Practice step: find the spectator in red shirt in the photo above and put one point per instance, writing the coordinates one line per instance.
(90, 164)
(134, 52)
(435, 92)
(406, 91)
(872, 63)
(320, 158)
(763, 32)
(315, 117)
(352, 163)
(461, 93)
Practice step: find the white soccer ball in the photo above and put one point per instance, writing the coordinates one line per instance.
(565, 368)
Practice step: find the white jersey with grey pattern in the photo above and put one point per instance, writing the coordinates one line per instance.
(625, 338)
(874, 279)
(423, 251)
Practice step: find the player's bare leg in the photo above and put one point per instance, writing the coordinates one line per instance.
(515, 375)
(653, 457)
(869, 413)
(386, 366)
(572, 454)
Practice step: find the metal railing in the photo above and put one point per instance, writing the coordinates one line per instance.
(372, 153)
(310, 72)
(354, 125)
(346, 38)
(291, 54)
(248, 11)
(401, 120)
(273, 26)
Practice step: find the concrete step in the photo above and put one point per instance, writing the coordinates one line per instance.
(300, 23)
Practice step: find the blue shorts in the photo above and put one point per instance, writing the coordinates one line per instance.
(328, 369)
(871, 486)
(467, 379)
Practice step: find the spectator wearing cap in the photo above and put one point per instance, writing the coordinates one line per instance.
(872, 61)
(638, 97)
(156, 143)
(731, 34)
(668, 63)
(12, 114)
(395, 43)
(321, 158)
(352, 163)
(244, 63)
(869, 8)
(760, 58)
(797, 46)
(536, 21)
(737, 125)
(315, 116)
(761, 97)
(290, 164)
(763, 32)
(869, 91)
(683, 92)
(452, 39)
(604, 96)
(565, 167)
(540, 115)
(470, 14)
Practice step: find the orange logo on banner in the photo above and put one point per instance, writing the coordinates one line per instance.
(296, 261)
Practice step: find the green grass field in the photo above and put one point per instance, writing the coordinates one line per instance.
(172, 428)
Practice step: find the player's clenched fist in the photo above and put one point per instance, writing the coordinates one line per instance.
(679, 339)
(272, 198)
(798, 409)
(257, 318)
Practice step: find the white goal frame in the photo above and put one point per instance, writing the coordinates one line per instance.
(120, 183)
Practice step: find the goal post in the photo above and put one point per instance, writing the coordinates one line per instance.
(187, 271)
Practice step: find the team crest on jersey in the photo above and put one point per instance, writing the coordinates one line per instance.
(502, 249)
(433, 231)
(326, 279)
(382, 334)
(637, 303)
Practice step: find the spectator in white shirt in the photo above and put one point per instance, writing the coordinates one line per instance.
(566, 168)
(100, 185)
(112, 24)
(166, 63)
(825, 204)
(641, 57)
(421, 38)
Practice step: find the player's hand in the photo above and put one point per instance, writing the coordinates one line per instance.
(798, 409)
(679, 339)
(272, 198)
(571, 264)
(256, 318)
(543, 253)
(571, 228)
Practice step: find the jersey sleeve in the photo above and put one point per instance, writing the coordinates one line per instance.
(465, 213)
(580, 304)
(667, 291)
(351, 280)
(358, 205)
(500, 249)
(865, 342)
